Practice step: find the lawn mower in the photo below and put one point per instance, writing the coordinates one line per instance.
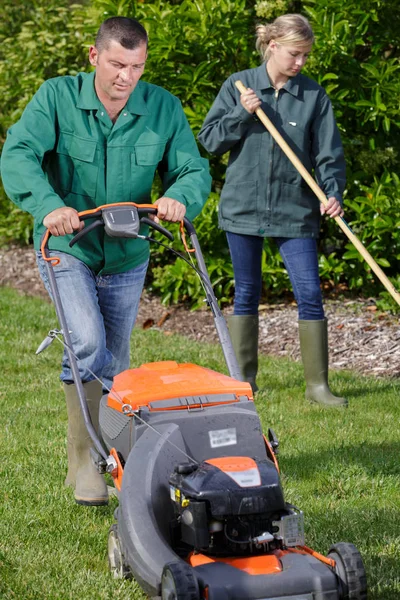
(202, 513)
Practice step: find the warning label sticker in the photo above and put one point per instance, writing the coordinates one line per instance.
(223, 437)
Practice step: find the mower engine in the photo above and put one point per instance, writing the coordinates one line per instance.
(232, 506)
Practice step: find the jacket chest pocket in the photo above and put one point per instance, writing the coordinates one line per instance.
(147, 155)
(77, 165)
(145, 159)
(248, 151)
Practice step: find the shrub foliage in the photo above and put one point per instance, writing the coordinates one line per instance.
(194, 46)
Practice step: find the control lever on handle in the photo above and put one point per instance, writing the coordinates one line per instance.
(84, 231)
(158, 227)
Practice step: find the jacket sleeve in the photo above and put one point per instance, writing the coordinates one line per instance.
(327, 151)
(184, 173)
(24, 150)
(226, 122)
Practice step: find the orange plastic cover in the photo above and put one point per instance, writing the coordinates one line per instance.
(233, 463)
(253, 565)
(167, 380)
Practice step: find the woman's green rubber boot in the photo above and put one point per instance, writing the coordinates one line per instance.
(314, 353)
(243, 330)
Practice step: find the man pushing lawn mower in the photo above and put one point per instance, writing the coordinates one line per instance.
(82, 142)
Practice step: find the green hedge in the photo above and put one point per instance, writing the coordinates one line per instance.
(194, 46)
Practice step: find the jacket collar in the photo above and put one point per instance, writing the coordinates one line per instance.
(292, 86)
(88, 99)
(136, 104)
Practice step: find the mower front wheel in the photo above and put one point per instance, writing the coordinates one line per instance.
(178, 582)
(350, 571)
(118, 568)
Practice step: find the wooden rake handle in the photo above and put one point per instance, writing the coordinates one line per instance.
(322, 198)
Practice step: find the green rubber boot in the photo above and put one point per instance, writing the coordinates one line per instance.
(90, 486)
(314, 353)
(244, 334)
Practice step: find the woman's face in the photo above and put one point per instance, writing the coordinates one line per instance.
(289, 59)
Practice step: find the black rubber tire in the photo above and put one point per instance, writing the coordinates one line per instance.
(178, 582)
(350, 571)
(116, 562)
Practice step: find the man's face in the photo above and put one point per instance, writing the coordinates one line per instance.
(117, 70)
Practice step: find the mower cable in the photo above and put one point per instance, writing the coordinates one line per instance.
(135, 414)
(205, 284)
(55, 335)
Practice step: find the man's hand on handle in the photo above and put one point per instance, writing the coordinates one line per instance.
(63, 221)
(169, 210)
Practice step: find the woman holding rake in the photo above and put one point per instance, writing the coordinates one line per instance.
(265, 196)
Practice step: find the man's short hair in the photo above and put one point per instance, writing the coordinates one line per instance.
(127, 32)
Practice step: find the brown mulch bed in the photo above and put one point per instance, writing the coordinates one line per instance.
(360, 338)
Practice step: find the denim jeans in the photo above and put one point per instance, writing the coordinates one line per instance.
(100, 311)
(301, 261)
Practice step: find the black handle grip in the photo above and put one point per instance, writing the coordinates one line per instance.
(84, 231)
(158, 227)
(146, 211)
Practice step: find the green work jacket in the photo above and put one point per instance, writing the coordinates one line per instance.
(65, 151)
(263, 193)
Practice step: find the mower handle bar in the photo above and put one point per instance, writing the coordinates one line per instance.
(100, 222)
(97, 214)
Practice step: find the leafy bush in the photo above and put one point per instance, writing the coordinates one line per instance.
(356, 58)
(54, 41)
(376, 222)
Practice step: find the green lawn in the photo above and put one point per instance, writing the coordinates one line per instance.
(341, 467)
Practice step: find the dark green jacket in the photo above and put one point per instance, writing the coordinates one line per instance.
(263, 193)
(65, 150)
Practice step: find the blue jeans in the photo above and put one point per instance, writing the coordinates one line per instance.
(301, 261)
(100, 311)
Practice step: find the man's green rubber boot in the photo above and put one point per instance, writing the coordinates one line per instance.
(243, 330)
(314, 353)
(90, 486)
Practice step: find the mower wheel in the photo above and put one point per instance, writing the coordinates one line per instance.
(178, 582)
(118, 568)
(350, 571)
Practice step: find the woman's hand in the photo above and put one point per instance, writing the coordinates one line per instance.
(333, 208)
(249, 101)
